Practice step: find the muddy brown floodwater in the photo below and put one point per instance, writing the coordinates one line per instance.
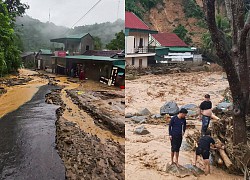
(146, 156)
(18, 95)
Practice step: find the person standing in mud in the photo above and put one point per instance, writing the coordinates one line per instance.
(203, 149)
(177, 127)
(81, 76)
(206, 113)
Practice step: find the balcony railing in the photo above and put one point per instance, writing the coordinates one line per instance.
(144, 49)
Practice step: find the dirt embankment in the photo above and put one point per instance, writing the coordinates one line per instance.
(88, 150)
(99, 104)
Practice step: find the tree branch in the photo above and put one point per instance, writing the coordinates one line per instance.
(222, 51)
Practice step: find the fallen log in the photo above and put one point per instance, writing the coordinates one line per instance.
(224, 155)
(225, 158)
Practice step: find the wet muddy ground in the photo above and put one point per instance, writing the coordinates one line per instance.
(88, 146)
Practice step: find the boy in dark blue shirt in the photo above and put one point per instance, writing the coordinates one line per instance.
(177, 127)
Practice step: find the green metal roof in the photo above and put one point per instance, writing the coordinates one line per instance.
(161, 47)
(180, 49)
(95, 58)
(45, 52)
(75, 37)
(128, 30)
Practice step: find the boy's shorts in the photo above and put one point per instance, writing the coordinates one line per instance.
(176, 143)
(205, 153)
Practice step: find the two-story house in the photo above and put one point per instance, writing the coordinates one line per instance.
(76, 44)
(137, 50)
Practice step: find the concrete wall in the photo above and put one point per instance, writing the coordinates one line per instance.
(87, 41)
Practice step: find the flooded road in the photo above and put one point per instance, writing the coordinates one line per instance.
(27, 141)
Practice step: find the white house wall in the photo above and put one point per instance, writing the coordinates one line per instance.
(137, 62)
(153, 41)
(129, 45)
(180, 54)
(137, 37)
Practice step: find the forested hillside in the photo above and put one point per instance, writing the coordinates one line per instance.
(36, 34)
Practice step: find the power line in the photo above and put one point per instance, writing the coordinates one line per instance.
(83, 16)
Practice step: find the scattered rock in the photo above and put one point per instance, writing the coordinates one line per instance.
(156, 116)
(141, 131)
(128, 115)
(170, 108)
(144, 112)
(139, 119)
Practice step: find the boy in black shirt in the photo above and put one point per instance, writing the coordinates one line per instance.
(203, 149)
(177, 127)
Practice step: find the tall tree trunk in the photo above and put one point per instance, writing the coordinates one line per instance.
(228, 9)
(238, 82)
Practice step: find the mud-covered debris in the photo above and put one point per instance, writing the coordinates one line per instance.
(2, 90)
(141, 131)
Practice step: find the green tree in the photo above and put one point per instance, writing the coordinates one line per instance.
(9, 51)
(15, 8)
(97, 43)
(224, 26)
(182, 33)
(118, 43)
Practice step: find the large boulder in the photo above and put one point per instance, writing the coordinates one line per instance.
(178, 171)
(225, 106)
(189, 106)
(192, 110)
(170, 108)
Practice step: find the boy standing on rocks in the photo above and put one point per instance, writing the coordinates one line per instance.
(177, 127)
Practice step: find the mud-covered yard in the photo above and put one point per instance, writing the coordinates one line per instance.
(148, 155)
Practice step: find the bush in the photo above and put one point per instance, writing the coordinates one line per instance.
(192, 10)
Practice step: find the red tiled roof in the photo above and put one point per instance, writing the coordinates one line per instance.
(169, 40)
(133, 22)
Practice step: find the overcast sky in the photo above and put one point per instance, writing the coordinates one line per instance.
(68, 12)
